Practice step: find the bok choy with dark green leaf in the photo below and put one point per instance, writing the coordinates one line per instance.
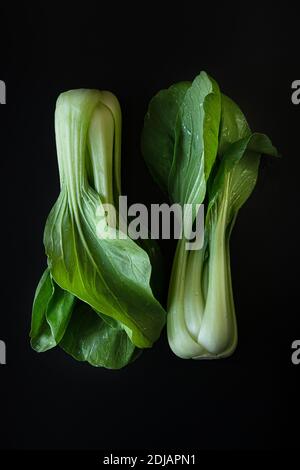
(199, 148)
(94, 300)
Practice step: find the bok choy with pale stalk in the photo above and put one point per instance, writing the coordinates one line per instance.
(199, 149)
(94, 299)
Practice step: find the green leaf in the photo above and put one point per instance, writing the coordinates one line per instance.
(157, 279)
(180, 137)
(233, 124)
(52, 308)
(59, 318)
(238, 170)
(97, 339)
(196, 141)
(158, 135)
(110, 275)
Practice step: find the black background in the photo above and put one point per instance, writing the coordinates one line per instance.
(248, 401)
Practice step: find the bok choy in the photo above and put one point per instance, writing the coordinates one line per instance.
(94, 299)
(199, 148)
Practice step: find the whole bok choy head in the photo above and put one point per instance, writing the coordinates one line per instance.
(199, 148)
(94, 299)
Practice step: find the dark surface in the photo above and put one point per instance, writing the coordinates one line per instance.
(49, 401)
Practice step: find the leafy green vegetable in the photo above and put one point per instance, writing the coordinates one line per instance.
(181, 124)
(97, 339)
(201, 316)
(59, 318)
(95, 271)
(158, 137)
(52, 308)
